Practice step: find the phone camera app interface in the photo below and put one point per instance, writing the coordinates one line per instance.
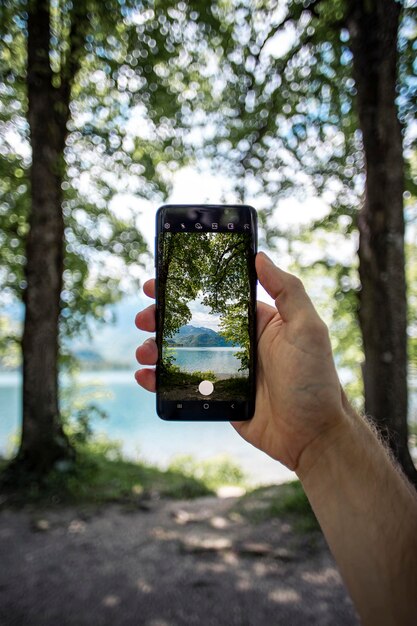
(205, 314)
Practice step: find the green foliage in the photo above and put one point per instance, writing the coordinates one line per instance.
(101, 475)
(335, 291)
(173, 376)
(285, 114)
(79, 408)
(288, 499)
(226, 289)
(285, 107)
(121, 71)
(411, 251)
(411, 257)
(179, 385)
(411, 275)
(234, 328)
(180, 255)
(214, 472)
(286, 126)
(9, 343)
(106, 476)
(215, 269)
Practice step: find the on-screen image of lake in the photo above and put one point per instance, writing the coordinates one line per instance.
(205, 318)
(189, 366)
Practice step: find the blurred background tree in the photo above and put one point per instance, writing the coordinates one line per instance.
(312, 98)
(91, 94)
(318, 98)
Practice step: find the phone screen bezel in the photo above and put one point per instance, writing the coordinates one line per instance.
(183, 218)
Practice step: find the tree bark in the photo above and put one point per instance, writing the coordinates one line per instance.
(43, 442)
(373, 27)
(165, 251)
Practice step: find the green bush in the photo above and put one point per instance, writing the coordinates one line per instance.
(272, 501)
(214, 472)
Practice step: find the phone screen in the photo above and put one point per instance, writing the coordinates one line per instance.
(206, 322)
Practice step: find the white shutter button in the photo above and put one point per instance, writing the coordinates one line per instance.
(206, 387)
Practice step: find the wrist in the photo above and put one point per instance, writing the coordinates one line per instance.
(317, 458)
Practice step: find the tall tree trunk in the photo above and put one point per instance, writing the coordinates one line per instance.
(165, 248)
(373, 27)
(43, 441)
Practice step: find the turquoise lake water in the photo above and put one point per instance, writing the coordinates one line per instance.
(217, 360)
(132, 419)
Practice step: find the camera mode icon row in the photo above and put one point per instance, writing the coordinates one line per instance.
(214, 226)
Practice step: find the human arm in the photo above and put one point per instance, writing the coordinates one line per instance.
(368, 513)
(367, 510)
(365, 507)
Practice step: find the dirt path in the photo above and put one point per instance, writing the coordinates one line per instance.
(164, 564)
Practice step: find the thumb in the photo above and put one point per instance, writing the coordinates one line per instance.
(287, 290)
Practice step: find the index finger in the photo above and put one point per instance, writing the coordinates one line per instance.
(149, 288)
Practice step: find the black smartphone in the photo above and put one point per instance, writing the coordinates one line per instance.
(206, 312)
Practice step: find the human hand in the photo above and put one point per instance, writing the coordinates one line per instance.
(298, 396)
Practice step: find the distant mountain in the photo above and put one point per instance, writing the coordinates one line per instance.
(198, 337)
(87, 355)
(115, 343)
(91, 360)
(109, 345)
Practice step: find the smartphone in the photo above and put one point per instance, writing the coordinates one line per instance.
(205, 312)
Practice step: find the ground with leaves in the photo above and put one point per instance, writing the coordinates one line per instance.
(237, 560)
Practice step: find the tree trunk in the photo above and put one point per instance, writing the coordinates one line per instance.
(43, 443)
(164, 251)
(373, 27)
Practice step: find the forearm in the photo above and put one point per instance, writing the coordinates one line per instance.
(368, 513)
